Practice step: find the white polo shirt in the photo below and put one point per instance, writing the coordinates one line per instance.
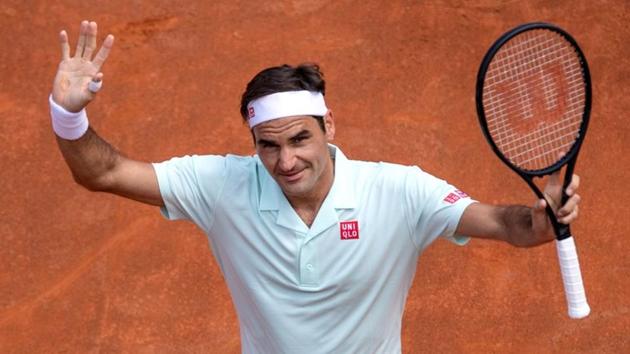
(339, 286)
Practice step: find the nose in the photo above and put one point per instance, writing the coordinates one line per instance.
(287, 159)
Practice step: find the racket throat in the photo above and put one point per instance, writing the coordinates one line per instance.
(563, 232)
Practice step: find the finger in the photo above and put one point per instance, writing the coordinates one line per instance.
(90, 43)
(95, 84)
(65, 48)
(571, 217)
(81, 42)
(568, 207)
(540, 221)
(553, 190)
(102, 54)
(573, 186)
(551, 199)
(539, 209)
(553, 186)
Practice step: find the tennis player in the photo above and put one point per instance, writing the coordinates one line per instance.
(318, 250)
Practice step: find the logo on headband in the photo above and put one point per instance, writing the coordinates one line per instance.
(285, 104)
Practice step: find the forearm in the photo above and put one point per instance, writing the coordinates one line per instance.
(517, 227)
(514, 224)
(90, 159)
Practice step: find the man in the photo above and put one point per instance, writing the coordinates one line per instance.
(318, 251)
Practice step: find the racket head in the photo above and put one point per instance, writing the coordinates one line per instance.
(503, 81)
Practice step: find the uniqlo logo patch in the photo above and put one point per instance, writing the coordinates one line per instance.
(461, 194)
(451, 198)
(250, 112)
(455, 196)
(349, 230)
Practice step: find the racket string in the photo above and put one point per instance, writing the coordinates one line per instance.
(509, 139)
(532, 77)
(505, 58)
(499, 95)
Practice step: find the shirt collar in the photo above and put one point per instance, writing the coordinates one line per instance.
(342, 192)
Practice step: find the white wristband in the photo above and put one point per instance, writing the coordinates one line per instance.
(67, 125)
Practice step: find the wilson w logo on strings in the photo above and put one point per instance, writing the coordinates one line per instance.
(539, 97)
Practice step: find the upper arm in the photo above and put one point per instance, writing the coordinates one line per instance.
(482, 221)
(98, 166)
(434, 208)
(135, 180)
(191, 186)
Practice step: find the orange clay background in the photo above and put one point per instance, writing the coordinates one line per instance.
(85, 272)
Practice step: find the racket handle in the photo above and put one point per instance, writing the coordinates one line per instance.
(572, 278)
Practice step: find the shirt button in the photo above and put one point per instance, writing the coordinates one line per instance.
(309, 267)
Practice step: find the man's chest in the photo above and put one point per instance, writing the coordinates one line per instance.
(349, 247)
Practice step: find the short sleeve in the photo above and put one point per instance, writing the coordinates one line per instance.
(435, 208)
(190, 186)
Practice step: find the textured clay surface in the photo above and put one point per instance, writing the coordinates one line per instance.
(85, 272)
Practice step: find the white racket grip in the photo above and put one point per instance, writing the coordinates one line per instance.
(572, 278)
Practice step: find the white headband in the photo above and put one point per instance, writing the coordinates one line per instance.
(285, 104)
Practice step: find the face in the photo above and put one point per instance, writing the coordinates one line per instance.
(295, 152)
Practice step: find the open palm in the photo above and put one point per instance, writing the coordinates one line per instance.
(70, 88)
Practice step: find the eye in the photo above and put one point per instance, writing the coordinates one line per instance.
(267, 144)
(299, 139)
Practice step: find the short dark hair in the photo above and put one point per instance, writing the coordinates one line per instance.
(305, 76)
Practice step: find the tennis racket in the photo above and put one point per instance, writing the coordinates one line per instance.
(533, 102)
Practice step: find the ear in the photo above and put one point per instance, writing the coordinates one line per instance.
(329, 123)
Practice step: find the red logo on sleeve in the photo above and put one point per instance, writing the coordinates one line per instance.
(451, 198)
(455, 196)
(461, 194)
(349, 230)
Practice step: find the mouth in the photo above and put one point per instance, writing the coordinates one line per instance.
(292, 177)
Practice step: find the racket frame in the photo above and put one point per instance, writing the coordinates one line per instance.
(562, 230)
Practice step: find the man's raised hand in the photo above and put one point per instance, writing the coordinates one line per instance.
(71, 86)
